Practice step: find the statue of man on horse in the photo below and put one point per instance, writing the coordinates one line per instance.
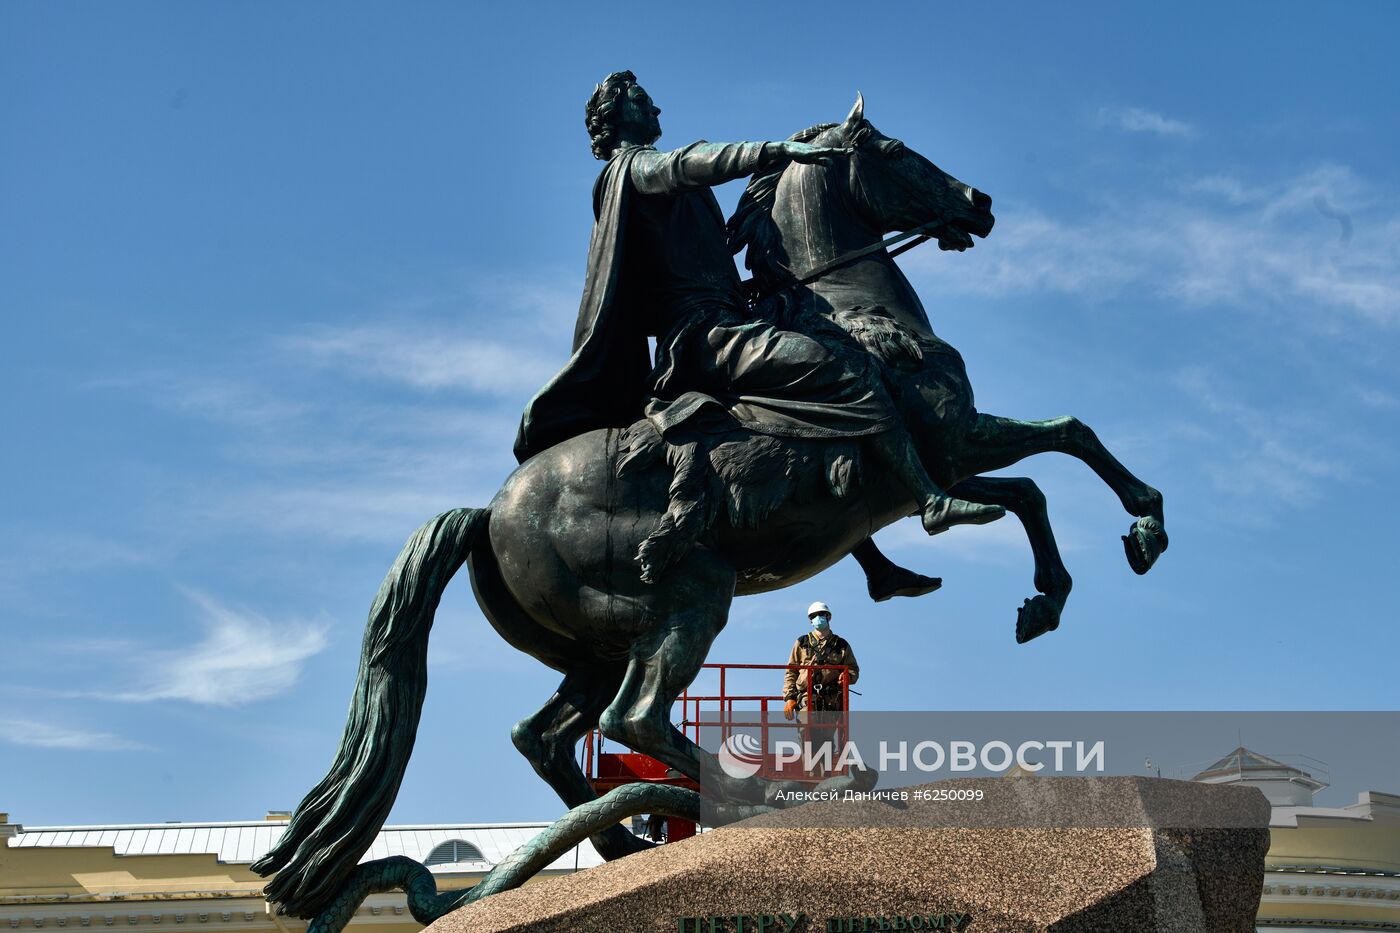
(773, 434)
(659, 266)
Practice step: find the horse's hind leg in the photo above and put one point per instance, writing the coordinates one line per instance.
(549, 738)
(1039, 614)
(688, 612)
(549, 741)
(995, 443)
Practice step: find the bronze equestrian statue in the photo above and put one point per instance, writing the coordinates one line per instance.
(777, 429)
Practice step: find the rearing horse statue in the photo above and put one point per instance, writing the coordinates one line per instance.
(805, 217)
(552, 557)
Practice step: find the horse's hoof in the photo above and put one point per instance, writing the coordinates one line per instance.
(1144, 543)
(1039, 614)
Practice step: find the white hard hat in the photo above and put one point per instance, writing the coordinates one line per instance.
(816, 608)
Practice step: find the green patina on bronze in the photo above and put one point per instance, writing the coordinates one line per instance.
(781, 424)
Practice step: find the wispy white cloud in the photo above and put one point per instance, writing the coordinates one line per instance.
(28, 553)
(1265, 455)
(237, 399)
(367, 508)
(428, 358)
(33, 733)
(311, 445)
(1214, 242)
(517, 338)
(1139, 120)
(1227, 187)
(372, 435)
(242, 658)
(1372, 397)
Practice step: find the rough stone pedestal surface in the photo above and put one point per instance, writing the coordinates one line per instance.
(1118, 855)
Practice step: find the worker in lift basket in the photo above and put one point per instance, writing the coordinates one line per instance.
(821, 645)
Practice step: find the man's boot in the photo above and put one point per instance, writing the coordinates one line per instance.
(943, 512)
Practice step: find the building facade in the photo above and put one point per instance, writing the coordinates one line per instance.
(1328, 868)
(155, 878)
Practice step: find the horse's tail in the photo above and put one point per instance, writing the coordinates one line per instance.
(337, 821)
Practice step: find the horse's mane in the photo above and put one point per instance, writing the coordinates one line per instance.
(752, 224)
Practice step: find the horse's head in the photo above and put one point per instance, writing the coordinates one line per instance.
(892, 187)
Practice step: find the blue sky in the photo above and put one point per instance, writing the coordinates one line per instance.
(277, 281)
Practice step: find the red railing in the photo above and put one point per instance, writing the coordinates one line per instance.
(725, 719)
(607, 770)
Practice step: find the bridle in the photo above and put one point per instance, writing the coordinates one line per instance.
(920, 234)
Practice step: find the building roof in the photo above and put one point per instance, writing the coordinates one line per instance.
(1243, 762)
(246, 842)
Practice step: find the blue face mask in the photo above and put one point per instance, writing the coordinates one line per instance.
(821, 622)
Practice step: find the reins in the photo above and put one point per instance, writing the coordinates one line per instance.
(920, 234)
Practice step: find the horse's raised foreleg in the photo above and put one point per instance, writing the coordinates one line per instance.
(1022, 497)
(549, 740)
(995, 443)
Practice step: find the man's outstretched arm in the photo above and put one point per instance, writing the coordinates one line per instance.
(703, 165)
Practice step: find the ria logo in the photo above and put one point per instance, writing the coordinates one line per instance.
(740, 756)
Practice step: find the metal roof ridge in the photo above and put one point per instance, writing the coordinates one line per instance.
(100, 827)
(421, 826)
(223, 824)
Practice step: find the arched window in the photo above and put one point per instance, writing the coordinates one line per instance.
(454, 850)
